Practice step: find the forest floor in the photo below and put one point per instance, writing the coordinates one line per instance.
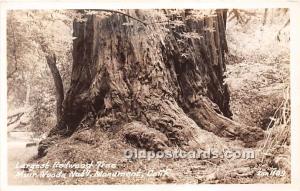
(258, 78)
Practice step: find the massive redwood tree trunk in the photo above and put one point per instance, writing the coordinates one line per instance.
(158, 82)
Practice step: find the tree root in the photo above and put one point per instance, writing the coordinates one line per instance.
(207, 118)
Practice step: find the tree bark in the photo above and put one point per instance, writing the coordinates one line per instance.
(59, 89)
(158, 84)
(265, 17)
(14, 53)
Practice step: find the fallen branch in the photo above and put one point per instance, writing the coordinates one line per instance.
(14, 118)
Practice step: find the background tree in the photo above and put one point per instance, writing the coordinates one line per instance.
(35, 42)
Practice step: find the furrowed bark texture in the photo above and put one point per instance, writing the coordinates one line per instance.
(58, 83)
(157, 84)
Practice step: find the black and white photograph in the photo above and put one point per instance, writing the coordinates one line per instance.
(168, 96)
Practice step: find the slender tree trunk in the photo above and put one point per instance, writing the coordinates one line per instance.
(59, 89)
(27, 99)
(14, 53)
(265, 16)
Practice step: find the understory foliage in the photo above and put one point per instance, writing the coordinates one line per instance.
(30, 83)
(258, 76)
(258, 65)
